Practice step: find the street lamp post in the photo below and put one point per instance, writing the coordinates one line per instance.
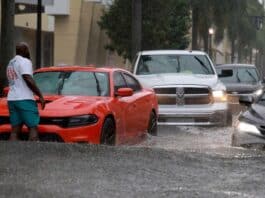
(38, 34)
(211, 32)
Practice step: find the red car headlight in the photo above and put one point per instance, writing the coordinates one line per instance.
(82, 120)
(74, 121)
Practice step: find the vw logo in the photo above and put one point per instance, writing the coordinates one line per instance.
(180, 100)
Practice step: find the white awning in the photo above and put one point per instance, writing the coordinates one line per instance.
(35, 2)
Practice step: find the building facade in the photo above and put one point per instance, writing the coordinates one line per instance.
(70, 32)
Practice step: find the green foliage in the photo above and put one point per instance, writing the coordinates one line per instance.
(117, 24)
(164, 25)
(235, 16)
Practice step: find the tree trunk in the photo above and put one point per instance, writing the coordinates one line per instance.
(195, 18)
(232, 51)
(136, 27)
(206, 40)
(250, 54)
(239, 51)
(7, 38)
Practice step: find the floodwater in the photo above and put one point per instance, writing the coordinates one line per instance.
(179, 162)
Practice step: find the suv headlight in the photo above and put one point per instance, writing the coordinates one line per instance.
(247, 127)
(258, 92)
(219, 96)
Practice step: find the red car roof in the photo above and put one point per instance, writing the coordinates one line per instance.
(78, 68)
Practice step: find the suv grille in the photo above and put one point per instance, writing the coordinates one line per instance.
(183, 95)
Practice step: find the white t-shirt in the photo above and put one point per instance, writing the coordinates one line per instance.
(18, 89)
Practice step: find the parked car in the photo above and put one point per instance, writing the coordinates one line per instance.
(187, 86)
(249, 129)
(240, 79)
(89, 104)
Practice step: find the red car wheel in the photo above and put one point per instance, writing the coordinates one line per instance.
(152, 126)
(108, 132)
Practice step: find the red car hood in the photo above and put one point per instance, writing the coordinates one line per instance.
(63, 105)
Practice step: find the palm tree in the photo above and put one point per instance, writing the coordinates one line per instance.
(232, 16)
(205, 14)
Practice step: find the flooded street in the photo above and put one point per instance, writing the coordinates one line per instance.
(85, 83)
(179, 162)
(189, 138)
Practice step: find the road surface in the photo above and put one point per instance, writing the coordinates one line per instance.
(180, 162)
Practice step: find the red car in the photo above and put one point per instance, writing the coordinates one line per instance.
(92, 105)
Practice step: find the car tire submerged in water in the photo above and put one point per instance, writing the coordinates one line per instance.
(152, 125)
(234, 141)
(108, 133)
(229, 119)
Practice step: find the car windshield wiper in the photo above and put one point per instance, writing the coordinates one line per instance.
(251, 75)
(178, 66)
(98, 87)
(60, 83)
(237, 77)
(203, 65)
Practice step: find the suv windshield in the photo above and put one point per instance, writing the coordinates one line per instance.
(73, 83)
(238, 75)
(171, 63)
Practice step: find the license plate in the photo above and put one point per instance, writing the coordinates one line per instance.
(233, 99)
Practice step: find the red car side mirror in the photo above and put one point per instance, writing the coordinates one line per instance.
(124, 92)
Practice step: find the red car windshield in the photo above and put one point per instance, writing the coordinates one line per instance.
(83, 83)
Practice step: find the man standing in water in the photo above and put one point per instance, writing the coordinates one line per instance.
(21, 102)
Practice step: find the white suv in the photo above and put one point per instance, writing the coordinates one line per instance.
(187, 87)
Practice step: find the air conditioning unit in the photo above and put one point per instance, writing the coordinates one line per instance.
(59, 7)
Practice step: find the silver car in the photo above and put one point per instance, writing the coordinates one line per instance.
(240, 80)
(187, 86)
(249, 129)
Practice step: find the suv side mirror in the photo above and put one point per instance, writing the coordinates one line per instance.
(226, 73)
(246, 100)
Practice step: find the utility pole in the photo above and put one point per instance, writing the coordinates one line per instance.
(38, 35)
(136, 27)
(7, 38)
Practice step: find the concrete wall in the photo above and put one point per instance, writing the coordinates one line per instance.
(66, 35)
(72, 37)
(30, 21)
(87, 11)
(78, 38)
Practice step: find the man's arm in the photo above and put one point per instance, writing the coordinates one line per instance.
(32, 85)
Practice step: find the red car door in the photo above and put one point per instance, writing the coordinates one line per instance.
(126, 108)
(141, 105)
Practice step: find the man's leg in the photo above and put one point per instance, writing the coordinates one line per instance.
(30, 116)
(14, 133)
(15, 120)
(33, 134)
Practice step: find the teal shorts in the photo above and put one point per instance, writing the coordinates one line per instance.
(24, 112)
